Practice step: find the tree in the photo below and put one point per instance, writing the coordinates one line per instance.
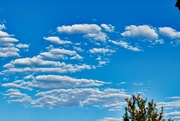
(178, 4)
(138, 111)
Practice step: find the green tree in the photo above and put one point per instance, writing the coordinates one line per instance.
(138, 111)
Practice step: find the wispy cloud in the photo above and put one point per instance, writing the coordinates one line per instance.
(125, 45)
(137, 84)
(110, 119)
(170, 104)
(20, 45)
(57, 40)
(101, 50)
(174, 115)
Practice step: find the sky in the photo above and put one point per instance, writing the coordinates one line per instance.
(78, 60)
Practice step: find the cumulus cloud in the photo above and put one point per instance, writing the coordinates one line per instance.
(53, 82)
(57, 81)
(47, 62)
(169, 32)
(50, 70)
(9, 46)
(8, 51)
(91, 31)
(69, 68)
(4, 34)
(57, 40)
(144, 31)
(18, 84)
(36, 65)
(14, 95)
(7, 40)
(125, 45)
(79, 29)
(31, 62)
(79, 97)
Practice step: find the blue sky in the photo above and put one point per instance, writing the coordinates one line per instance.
(78, 60)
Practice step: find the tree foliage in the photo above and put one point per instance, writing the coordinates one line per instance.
(137, 110)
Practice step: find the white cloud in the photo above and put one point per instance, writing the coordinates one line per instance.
(2, 26)
(169, 32)
(108, 28)
(31, 62)
(169, 105)
(7, 40)
(57, 81)
(138, 84)
(52, 55)
(103, 63)
(8, 44)
(121, 83)
(62, 97)
(18, 84)
(173, 115)
(20, 45)
(78, 49)
(4, 34)
(101, 50)
(96, 36)
(53, 82)
(77, 57)
(110, 119)
(29, 77)
(79, 97)
(79, 29)
(91, 31)
(144, 31)
(56, 53)
(58, 67)
(8, 51)
(174, 97)
(160, 41)
(107, 97)
(14, 95)
(57, 40)
(125, 45)
(37, 64)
